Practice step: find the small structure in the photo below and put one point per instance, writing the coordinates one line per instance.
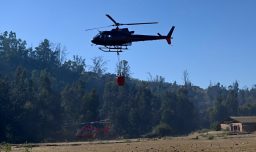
(239, 124)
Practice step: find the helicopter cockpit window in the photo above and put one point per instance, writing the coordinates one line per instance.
(97, 36)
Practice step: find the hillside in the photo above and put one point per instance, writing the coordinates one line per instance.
(45, 98)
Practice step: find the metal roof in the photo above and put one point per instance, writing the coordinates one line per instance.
(244, 119)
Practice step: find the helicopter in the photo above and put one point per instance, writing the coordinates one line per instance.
(117, 39)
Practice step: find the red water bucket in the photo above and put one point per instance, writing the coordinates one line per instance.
(120, 80)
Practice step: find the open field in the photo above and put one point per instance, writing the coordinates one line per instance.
(192, 143)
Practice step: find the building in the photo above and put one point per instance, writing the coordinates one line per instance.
(243, 124)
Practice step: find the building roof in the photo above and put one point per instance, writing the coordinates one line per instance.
(244, 119)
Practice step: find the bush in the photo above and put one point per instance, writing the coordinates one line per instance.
(162, 129)
(5, 147)
(215, 126)
(210, 137)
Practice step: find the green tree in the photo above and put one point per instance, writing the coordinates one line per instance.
(140, 113)
(232, 100)
(48, 107)
(46, 55)
(248, 109)
(168, 108)
(76, 65)
(72, 102)
(123, 68)
(4, 109)
(219, 111)
(116, 107)
(98, 66)
(90, 106)
(185, 112)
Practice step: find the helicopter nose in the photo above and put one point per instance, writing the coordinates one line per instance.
(94, 41)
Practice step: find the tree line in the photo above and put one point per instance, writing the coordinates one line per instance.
(44, 98)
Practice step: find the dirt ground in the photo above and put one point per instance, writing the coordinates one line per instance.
(192, 143)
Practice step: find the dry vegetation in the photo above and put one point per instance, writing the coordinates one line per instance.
(203, 142)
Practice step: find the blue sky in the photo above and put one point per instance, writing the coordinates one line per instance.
(214, 40)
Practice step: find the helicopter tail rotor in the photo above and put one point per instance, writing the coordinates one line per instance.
(169, 35)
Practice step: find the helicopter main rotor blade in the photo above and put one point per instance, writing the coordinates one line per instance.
(116, 24)
(140, 23)
(98, 28)
(120, 24)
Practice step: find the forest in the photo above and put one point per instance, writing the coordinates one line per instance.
(44, 98)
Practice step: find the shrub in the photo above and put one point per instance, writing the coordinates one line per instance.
(162, 129)
(210, 137)
(5, 147)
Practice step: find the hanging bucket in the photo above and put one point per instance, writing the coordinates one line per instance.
(120, 80)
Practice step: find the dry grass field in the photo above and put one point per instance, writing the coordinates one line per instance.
(193, 143)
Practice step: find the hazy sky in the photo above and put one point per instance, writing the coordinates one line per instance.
(214, 40)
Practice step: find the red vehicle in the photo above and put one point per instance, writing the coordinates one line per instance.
(93, 130)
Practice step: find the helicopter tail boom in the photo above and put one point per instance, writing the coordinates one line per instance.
(169, 35)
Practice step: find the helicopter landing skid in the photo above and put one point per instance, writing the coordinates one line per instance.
(113, 49)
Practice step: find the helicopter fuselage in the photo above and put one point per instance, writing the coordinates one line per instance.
(124, 37)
